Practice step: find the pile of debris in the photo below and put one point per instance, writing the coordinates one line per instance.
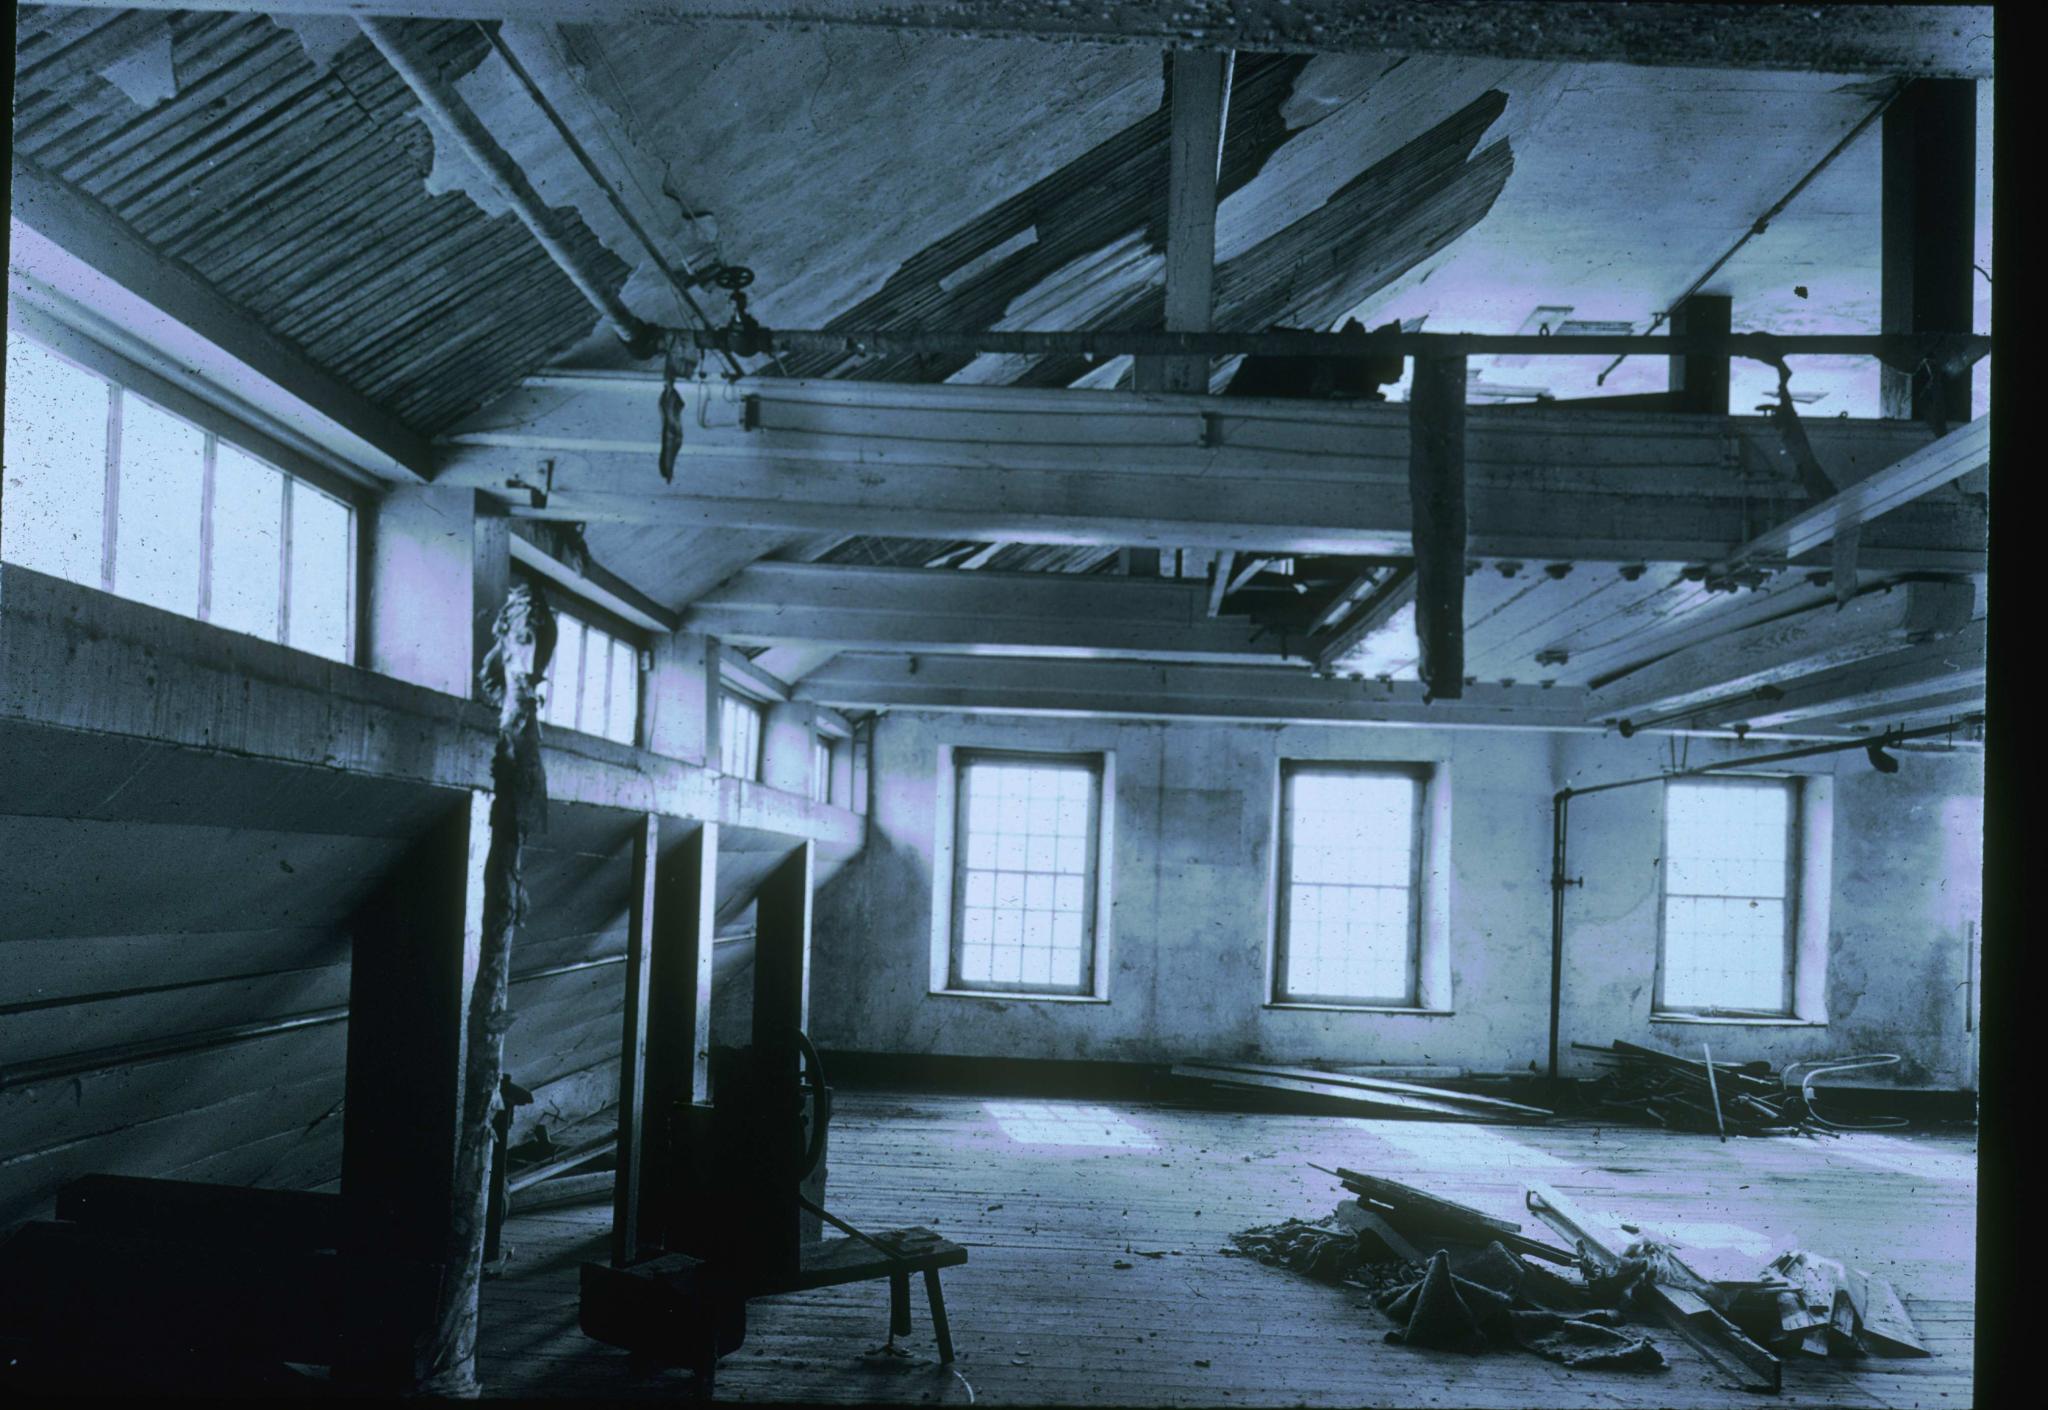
(1816, 1306)
(1475, 1288)
(1692, 1094)
(1453, 1277)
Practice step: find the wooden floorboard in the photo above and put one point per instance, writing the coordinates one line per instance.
(1041, 1314)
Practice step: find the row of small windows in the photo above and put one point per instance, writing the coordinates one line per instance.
(107, 489)
(1028, 832)
(593, 683)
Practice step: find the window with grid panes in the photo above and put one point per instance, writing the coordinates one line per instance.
(1027, 833)
(739, 736)
(821, 769)
(1350, 907)
(1729, 888)
(107, 489)
(593, 683)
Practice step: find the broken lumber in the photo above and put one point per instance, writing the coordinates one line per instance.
(1496, 1106)
(1392, 1104)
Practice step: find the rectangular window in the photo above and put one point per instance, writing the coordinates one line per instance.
(1027, 831)
(107, 489)
(821, 769)
(1729, 884)
(1350, 885)
(593, 682)
(739, 736)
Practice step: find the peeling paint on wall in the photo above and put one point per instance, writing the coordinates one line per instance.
(145, 73)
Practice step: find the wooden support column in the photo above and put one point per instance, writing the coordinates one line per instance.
(440, 563)
(1200, 99)
(1701, 383)
(640, 929)
(714, 693)
(1929, 238)
(673, 718)
(667, 1038)
(415, 949)
(1436, 490)
(782, 966)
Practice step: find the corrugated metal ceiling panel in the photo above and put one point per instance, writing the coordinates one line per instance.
(297, 191)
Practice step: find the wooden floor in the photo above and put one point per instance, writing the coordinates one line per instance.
(1050, 1196)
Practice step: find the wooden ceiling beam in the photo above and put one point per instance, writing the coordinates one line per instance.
(977, 613)
(1140, 690)
(998, 464)
(1201, 101)
(1883, 684)
(1935, 40)
(1788, 648)
(1959, 453)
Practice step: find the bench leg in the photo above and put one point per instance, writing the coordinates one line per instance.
(939, 1326)
(899, 1304)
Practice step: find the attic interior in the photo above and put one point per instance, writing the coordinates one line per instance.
(1294, 694)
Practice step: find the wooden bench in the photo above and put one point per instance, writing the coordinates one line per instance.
(680, 1311)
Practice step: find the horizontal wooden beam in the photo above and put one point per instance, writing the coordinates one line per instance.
(592, 581)
(1136, 690)
(975, 613)
(1938, 40)
(1882, 684)
(1955, 455)
(81, 251)
(1802, 644)
(1250, 474)
(78, 659)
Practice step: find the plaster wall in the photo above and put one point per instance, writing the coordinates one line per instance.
(1191, 838)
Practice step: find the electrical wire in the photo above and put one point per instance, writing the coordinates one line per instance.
(1763, 222)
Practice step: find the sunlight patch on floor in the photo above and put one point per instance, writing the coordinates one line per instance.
(1446, 1147)
(1048, 1124)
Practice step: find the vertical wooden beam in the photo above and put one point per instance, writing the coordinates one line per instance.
(440, 563)
(673, 718)
(1436, 489)
(1701, 383)
(1929, 237)
(416, 943)
(1200, 99)
(676, 1033)
(641, 920)
(714, 693)
(782, 966)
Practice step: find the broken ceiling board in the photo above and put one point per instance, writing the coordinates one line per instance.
(295, 192)
(1789, 647)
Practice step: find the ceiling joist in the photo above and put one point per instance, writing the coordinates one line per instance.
(1937, 40)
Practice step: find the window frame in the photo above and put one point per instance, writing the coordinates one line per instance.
(215, 428)
(592, 618)
(1097, 768)
(1793, 786)
(755, 709)
(1418, 775)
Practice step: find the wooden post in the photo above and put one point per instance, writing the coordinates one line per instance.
(1929, 238)
(1200, 98)
(1436, 490)
(641, 919)
(673, 1031)
(782, 962)
(416, 943)
(1701, 383)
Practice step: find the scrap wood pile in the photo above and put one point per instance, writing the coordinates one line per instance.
(1474, 1289)
(1692, 1094)
(1369, 1095)
(1452, 1277)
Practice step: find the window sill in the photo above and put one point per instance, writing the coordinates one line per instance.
(1734, 1021)
(1017, 995)
(1361, 1008)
